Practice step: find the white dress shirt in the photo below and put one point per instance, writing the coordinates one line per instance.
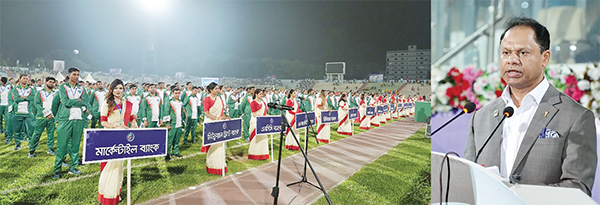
(515, 127)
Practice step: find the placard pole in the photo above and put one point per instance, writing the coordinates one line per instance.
(272, 148)
(224, 159)
(129, 182)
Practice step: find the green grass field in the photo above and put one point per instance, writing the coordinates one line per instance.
(29, 180)
(401, 176)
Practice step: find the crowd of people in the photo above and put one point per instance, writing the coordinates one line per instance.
(67, 106)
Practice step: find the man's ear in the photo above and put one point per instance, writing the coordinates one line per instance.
(545, 58)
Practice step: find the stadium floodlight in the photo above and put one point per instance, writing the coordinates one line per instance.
(153, 6)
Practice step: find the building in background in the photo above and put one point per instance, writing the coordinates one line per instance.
(411, 64)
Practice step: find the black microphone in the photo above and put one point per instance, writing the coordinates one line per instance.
(279, 107)
(508, 112)
(469, 107)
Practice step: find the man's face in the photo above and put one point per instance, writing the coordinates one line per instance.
(74, 76)
(50, 84)
(152, 89)
(195, 91)
(99, 86)
(23, 80)
(161, 86)
(176, 94)
(521, 62)
(133, 90)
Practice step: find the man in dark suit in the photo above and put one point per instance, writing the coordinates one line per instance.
(550, 139)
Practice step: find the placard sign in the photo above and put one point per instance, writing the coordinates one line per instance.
(393, 107)
(222, 131)
(302, 120)
(311, 118)
(101, 145)
(386, 108)
(379, 110)
(353, 113)
(370, 111)
(268, 125)
(328, 117)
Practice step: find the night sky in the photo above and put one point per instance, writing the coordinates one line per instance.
(189, 34)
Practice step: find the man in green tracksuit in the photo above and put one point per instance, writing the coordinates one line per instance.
(246, 112)
(231, 101)
(352, 100)
(44, 119)
(4, 92)
(306, 100)
(275, 99)
(21, 100)
(173, 117)
(70, 122)
(332, 102)
(190, 103)
(96, 99)
(150, 108)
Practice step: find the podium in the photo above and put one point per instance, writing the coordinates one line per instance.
(471, 183)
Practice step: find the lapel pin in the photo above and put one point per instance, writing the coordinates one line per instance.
(545, 114)
(495, 113)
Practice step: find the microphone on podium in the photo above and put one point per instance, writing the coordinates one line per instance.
(469, 107)
(508, 112)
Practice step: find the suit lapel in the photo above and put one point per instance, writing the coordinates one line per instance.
(538, 122)
(494, 146)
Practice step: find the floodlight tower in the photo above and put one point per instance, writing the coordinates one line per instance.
(152, 8)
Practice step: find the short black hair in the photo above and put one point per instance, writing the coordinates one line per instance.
(50, 78)
(4, 79)
(73, 69)
(542, 36)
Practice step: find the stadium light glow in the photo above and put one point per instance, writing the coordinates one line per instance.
(153, 6)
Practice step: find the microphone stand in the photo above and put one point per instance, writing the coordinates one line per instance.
(444, 125)
(275, 193)
(490, 137)
(303, 179)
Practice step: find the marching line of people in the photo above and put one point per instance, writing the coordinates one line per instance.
(67, 107)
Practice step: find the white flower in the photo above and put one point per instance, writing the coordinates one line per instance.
(437, 74)
(490, 95)
(583, 85)
(479, 85)
(552, 74)
(585, 100)
(494, 79)
(595, 87)
(440, 93)
(595, 106)
(594, 73)
(492, 67)
(565, 71)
